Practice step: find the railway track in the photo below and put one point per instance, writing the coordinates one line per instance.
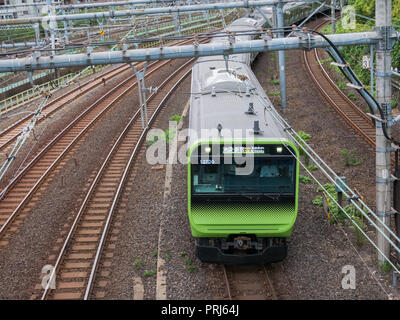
(78, 260)
(248, 282)
(352, 114)
(11, 133)
(21, 189)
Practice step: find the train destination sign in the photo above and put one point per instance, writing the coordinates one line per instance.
(244, 149)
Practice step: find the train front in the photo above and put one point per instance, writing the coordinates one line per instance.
(242, 200)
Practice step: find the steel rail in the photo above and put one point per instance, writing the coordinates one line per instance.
(228, 287)
(271, 286)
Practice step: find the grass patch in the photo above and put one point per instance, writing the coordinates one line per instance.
(304, 136)
(189, 265)
(274, 82)
(177, 118)
(274, 94)
(305, 180)
(149, 273)
(339, 215)
(350, 158)
(168, 256)
(352, 96)
(138, 263)
(341, 85)
(385, 267)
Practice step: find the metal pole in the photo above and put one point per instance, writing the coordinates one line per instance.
(333, 14)
(37, 33)
(384, 97)
(372, 69)
(282, 74)
(65, 31)
(51, 27)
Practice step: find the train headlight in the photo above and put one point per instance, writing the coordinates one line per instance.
(207, 149)
(279, 149)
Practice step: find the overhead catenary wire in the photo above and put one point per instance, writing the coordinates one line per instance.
(26, 131)
(354, 223)
(350, 194)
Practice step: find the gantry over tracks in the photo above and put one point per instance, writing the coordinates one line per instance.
(11, 133)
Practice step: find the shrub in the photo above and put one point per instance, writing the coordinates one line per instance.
(305, 137)
(350, 158)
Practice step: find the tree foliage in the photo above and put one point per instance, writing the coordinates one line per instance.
(353, 54)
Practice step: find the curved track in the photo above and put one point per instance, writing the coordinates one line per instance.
(352, 114)
(79, 257)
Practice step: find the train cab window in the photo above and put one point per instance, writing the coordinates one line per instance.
(206, 178)
(264, 175)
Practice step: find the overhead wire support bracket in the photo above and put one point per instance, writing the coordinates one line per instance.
(340, 65)
(376, 118)
(354, 86)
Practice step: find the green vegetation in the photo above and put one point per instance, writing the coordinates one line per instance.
(149, 273)
(341, 85)
(305, 137)
(274, 94)
(274, 82)
(151, 140)
(342, 216)
(167, 135)
(394, 104)
(138, 263)
(357, 225)
(350, 158)
(177, 118)
(155, 253)
(385, 267)
(353, 54)
(305, 180)
(189, 265)
(168, 256)
(352, 96)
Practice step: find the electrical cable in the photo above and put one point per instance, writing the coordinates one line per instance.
(358, 83)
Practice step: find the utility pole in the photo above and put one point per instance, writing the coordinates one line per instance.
(281, 54)
(383, 24)
(333, 14)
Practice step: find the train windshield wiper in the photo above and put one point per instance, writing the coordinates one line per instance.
(272, 196)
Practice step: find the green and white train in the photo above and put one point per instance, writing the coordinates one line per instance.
(243, 172)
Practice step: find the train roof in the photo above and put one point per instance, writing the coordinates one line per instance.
(221, 97)
(222, 92)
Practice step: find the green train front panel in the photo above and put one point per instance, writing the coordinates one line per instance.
(213, 217)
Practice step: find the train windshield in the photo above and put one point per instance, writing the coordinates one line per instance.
(268, 175)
